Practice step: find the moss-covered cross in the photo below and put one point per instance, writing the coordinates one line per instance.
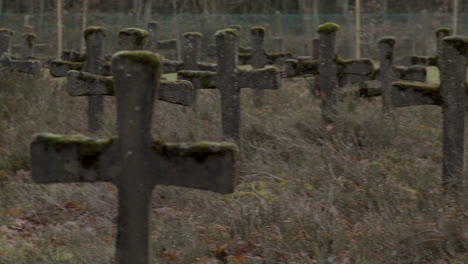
(7, 63)
(191, 53)
(451, 96)
(133, 161)
(332, 70)
(229, 79)
(440, 33)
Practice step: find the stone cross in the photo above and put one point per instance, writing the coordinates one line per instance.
(191, 53)
(389, 73)
(451, 96)
(133, 39)
(32, 67)
(154, 44)
(29, 46)
(212, 51)
(330, 68)
(259, 58)
(230, 80)
(133, 161)
(430, 60)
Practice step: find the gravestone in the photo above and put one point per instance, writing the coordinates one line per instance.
(212, 51)
(133, 39)
(155, 44)
(5, 41)
(331, 69)
(451, 96)
(259, 58)
(431, 60)
(229, 79)
(30, 47)
(133, 161)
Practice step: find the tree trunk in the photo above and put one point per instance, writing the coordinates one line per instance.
(59, 28)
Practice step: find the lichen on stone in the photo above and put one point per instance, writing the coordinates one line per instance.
(205, 77)
(193, 34)
(388, 40)
(427, 89)
(328, 28)
(29, 36)
(260, 31)
(87, 149)
(141, 36)
(460, 43)
(225, 32)
(147, 58)
(236, 27)
(443, 30)
(7, 31)
(93, 30)
(199, 151)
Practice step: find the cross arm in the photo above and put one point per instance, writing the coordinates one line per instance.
(407, 93)
(301, 67)
(25, 66)
(60, 68)
(199, 79)
(424, 60)
(208, 166)
(268, 78)
(66, 159)
(168, 44)
(278, 58)
(169, 66)
(87, 84)
(413, 73)
(202, 66)
(364, 68)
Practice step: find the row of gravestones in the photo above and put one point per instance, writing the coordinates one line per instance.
(136, 83)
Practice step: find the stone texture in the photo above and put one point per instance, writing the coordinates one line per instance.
(133, 161)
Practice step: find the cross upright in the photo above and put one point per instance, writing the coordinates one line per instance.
(330, 69)
(133, 161)
(451, 96)
(5, 41)
(229, 79)
(155, 44)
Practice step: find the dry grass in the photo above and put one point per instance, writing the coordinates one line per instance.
(367, 191)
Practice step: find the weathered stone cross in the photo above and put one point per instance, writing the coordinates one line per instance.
(191, 54)
(229, 79)
(7, 63)
(29, 46)
(133, 161)
(452, 97)
(388, 73)
(331, 69)
(154, 44)
(440, 33)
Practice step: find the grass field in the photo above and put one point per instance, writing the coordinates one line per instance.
(364, 191)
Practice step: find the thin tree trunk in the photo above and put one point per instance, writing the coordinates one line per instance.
(455, 17)
(84, 23)
(358, 28)
(59, 28)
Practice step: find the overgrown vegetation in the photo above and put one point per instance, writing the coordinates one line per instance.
(365, 191)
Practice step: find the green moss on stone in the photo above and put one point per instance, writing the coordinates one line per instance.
(432, 90)
(141, 36)
(442, 30)
(7, 31)
(260, 31)
(199, 151)
(93, 30)
(328, 28)
(205, 77)
(141, 56)
(88, 149)
(225, 32)
(236, 27)
(388, 40)
(339, 60)
(193, 34)
(460, 43)
(71, 65)
(29, 36)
